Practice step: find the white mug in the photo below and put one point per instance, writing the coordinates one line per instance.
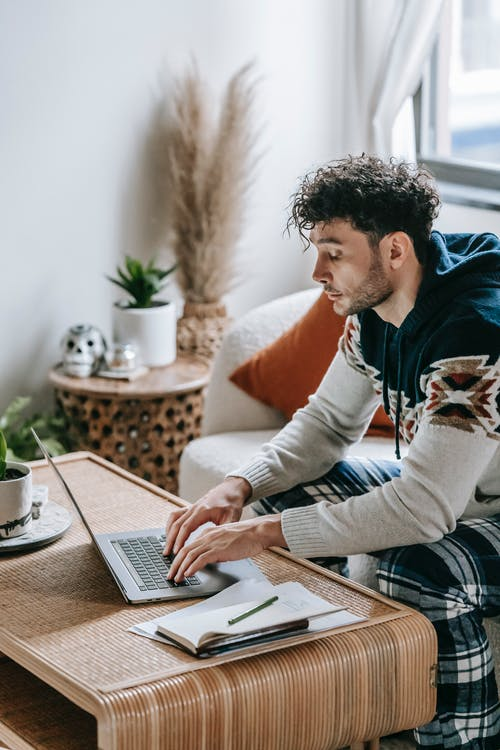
(15, 502)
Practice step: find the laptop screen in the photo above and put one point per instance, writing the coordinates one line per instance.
(65, 487)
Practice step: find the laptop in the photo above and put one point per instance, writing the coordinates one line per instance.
(136, 562)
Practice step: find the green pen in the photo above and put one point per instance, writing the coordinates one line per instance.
(252, 611)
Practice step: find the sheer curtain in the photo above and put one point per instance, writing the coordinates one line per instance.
(387, 43)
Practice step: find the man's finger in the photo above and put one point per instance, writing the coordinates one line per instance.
(187, 558)
(173, 522)
(194, 519)
(199, 562)
(190, 516)
(194, 558)
(174, 516)
(177, 562)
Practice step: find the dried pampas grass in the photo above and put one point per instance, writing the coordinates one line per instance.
(210, 167)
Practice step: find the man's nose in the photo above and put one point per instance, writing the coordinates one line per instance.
(321, 274)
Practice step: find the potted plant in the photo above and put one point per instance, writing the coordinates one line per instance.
(51, 426)
(15, 495)
(209, 168)
(146, 322)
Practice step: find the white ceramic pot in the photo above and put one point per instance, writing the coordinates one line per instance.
(15, 502)
(152, 330)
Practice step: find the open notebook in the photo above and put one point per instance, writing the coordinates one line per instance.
(217, 625)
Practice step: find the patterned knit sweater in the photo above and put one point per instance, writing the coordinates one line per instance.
(438, 376)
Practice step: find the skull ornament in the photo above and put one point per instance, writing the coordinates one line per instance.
(83, 347)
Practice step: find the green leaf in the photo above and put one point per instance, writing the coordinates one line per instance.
(14, 409)
(134, 268)
(120, 284)
(123, 276)
(11, 456)
(3, 446)
(167, 272)
(3, 455)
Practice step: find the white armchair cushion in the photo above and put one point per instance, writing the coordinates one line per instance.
(227, 407)
(206, 461)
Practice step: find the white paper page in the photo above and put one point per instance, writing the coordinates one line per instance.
(334, 620)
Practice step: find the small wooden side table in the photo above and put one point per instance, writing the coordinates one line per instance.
(142, 425)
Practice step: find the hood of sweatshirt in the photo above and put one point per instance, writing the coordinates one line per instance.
(461, 278)
(456, 263)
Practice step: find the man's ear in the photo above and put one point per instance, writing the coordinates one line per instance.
(397, 247)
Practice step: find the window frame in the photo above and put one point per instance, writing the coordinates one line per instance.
(465, 182)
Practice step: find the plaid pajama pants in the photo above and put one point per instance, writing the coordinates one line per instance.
(454, 582)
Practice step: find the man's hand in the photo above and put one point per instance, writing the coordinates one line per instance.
(232, 541)
(222, 504)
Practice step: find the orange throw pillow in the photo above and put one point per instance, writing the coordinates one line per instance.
(287, 371)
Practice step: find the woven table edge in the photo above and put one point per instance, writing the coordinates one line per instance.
(258, 650)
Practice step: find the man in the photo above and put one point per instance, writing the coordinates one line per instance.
(422, 335)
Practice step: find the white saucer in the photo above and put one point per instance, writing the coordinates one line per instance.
(53, 522)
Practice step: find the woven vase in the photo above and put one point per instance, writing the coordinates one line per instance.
(201, 328)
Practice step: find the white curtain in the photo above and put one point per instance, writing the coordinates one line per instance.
(387, 43)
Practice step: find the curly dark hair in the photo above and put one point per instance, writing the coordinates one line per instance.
(376, 197)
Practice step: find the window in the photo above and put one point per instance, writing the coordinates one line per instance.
(458, 105)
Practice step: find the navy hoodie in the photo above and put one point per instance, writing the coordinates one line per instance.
(456, 316)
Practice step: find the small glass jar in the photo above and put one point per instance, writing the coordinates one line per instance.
(121, 358)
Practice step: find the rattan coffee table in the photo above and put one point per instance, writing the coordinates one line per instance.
(74, 678)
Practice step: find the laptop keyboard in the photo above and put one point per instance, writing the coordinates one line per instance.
(143, 558)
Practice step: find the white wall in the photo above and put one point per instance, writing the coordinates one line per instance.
(79, 82)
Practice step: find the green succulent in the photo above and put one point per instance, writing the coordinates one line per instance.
(141, 282)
